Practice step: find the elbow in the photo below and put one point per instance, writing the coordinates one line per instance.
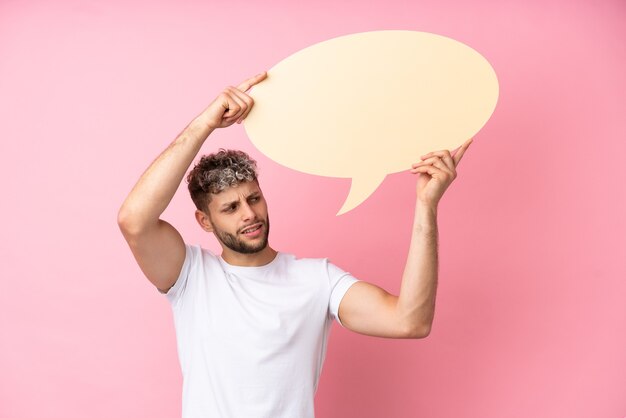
(419, 331)
(123, 220)
(128, 224)
(418, 326)
(121, 217)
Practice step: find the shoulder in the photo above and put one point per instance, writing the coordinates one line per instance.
(319, 266)
(290, 258)
(199, 255)
(322, 266)
(200, 250)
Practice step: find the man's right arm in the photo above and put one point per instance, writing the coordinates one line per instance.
(156, 245)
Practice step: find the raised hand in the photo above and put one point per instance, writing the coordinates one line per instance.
(232, 105)
(437, 171)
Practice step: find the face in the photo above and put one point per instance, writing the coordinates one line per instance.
(238, 218)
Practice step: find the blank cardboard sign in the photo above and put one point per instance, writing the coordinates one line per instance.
(369, 104)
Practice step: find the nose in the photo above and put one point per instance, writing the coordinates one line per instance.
(247, 213)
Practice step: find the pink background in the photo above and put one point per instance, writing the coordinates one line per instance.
(531, 311)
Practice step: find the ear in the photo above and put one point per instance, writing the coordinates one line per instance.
(204, 220)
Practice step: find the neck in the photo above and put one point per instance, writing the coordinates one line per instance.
(263, 257)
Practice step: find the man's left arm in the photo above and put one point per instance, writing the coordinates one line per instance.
(369, 309)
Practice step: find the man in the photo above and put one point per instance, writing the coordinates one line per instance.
(252, 324)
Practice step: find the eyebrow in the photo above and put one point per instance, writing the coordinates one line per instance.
(227, 204)
(253, 194)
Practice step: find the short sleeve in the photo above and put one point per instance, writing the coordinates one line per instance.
(176, 291)
(340, 282)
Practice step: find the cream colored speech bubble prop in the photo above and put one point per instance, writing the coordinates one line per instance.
(369, 104)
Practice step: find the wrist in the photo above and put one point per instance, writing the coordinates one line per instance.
(203, 121)
(426, 206)
(200, 127)
(425, 216)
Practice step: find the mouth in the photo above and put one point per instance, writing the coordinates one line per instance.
(253, 230)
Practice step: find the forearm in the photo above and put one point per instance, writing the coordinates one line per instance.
(158, 184)
(416, 303)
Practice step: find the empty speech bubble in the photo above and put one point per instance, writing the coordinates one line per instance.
(369, 104)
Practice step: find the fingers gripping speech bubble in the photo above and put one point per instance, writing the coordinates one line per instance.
(365, 105)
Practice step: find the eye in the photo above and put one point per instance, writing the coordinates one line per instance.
(230, 209)
(254, 199)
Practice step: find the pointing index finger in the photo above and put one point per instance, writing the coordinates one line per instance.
(252, 81)
(459, 154)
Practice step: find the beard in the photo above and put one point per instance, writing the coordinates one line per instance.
(236, 244)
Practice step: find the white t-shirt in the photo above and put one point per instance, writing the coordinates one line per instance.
(252, 340)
